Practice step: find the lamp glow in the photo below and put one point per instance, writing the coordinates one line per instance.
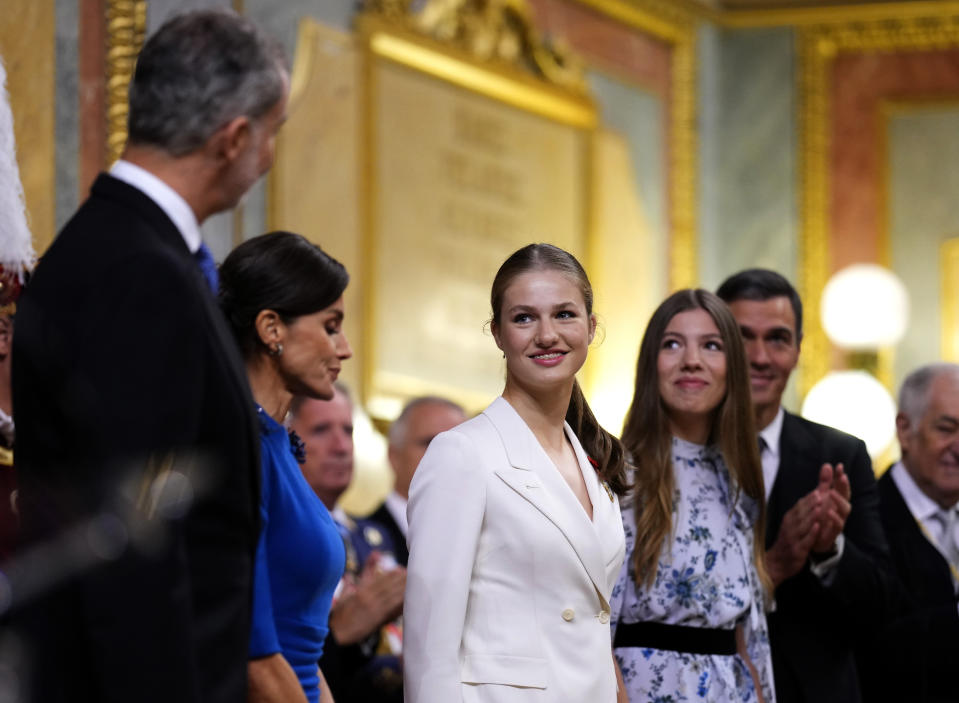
(854, 402)
(864, 307)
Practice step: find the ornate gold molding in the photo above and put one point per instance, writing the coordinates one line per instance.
(818, 47)
(835, 14)
(488, 31)
(126, 30)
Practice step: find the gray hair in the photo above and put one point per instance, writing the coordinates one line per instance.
(400, 426)
(297, 403)
(198, 72)
(914, 393)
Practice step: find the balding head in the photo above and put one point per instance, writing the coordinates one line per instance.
(411, 433)
(928, 430)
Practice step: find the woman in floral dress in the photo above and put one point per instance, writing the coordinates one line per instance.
(688, 609)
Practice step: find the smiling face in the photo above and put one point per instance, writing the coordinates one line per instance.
(930, 446)
(314, 347)
(772, 349)
(691, 366)
(544, 330)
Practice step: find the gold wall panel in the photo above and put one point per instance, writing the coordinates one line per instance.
(313, 187)
(949, 299)
(674, 22)
(27, 47)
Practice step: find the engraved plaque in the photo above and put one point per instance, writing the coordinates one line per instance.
(458, 180)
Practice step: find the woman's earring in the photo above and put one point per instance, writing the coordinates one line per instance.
(276, 350)
(504, 355)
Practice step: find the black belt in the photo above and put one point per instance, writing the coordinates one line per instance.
(675, 638)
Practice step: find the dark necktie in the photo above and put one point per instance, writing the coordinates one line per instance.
(204, 260)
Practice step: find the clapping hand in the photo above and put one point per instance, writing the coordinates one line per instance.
(811, 525)
(368, 602)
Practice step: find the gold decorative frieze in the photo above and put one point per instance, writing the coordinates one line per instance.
(126, 30)
(488, 31)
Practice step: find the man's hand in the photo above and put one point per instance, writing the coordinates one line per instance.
(798, 532)
(834, 487)
(373, 600)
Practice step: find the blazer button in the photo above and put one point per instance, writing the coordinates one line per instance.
(568, 615)
(604, 616)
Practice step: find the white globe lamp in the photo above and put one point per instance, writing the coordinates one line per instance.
(854, 402)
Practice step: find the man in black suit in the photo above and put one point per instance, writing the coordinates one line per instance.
(826, 553)
(916, 655)
(136, 425)
(410, 434)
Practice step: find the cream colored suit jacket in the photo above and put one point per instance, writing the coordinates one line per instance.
(509, 582)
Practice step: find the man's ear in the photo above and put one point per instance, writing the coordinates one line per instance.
(903, 428)
(269, 328)
(232, 138)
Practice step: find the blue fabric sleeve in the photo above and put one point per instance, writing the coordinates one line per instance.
(263, 637)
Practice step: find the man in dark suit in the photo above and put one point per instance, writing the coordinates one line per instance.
(410, 434)
(916, 655)
(136, 426)
(826, 553)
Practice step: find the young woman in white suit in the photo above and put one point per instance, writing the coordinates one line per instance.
(515, 534)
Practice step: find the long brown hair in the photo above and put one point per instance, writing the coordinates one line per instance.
(647, 437)
(602, 447)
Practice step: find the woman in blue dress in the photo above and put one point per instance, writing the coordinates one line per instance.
(688, 609)
(283, 297)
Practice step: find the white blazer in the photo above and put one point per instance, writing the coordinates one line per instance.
(508, 583)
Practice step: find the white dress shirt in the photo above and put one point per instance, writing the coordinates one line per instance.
(770, 434)
(168, 200)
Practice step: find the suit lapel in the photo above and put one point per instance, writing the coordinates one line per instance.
(534, 477)
(796, 466)
(926, 564)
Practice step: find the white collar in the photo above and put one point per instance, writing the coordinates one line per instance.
(772, 432)
(168, 200)
(396, 506)
(920, 505)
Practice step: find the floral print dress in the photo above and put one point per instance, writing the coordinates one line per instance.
(706, 578)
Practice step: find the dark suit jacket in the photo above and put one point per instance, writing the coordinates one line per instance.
(915, 657)
(123, 366)
(814, 627)
(381, 516)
